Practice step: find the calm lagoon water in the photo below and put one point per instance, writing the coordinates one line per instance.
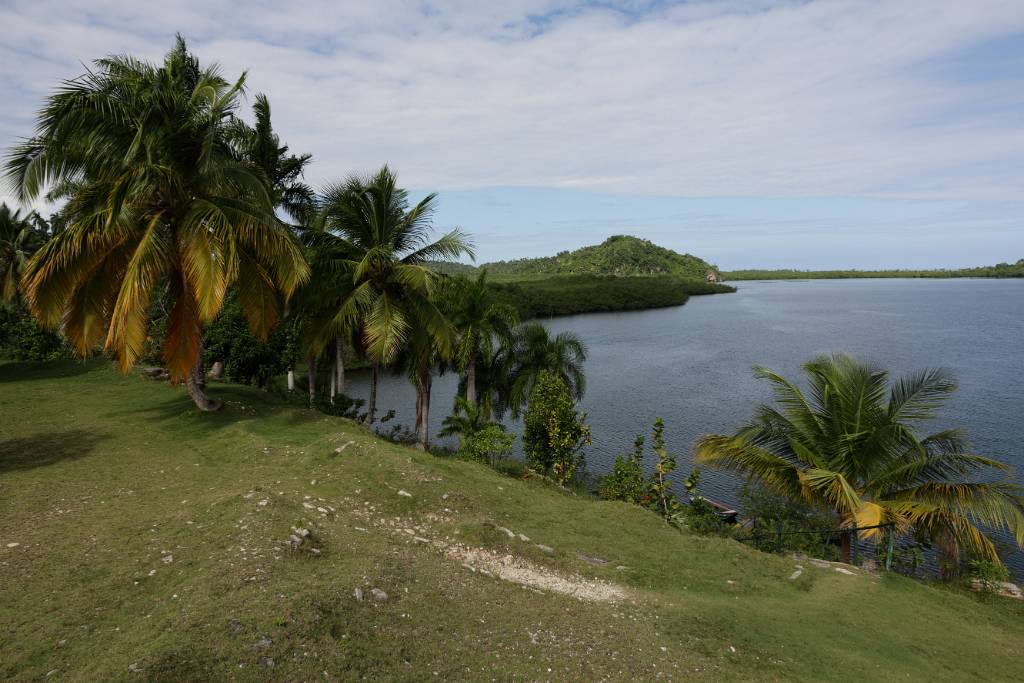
(691, 365)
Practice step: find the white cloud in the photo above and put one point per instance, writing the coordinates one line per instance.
(822, 98)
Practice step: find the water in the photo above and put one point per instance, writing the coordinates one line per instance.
(691, 365)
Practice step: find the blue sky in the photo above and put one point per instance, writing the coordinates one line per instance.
(810, 134)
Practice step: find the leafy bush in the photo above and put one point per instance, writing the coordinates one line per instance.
(21, 338)
(248, 359)
(626, 480)
(783, 524)
(489, 444)
(554, 434)
(988, 572)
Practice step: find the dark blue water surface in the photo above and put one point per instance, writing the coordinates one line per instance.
(691, 365)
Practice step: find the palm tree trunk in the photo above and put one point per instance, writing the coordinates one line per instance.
(471, 381)
(333, 384)
(339, 365)
(312, 380)
(195, 384)
(371, 408)
(423, 408)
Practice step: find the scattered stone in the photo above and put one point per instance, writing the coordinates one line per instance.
(266, 662)
(796, 574)
(152, 572)
(546, 549)
(341, 448)
(821, 564)
(404, 493)
(359, 594)
(590, 559)
(309, 506)
(313, 483)
(167, 559)
(843, 570)
(378, 594)
(524, 538)
(263, 643)
(13, 545)
(314, 551)
(1003, 588)
(301, 532)
(134, 668)
(156, 373)
(235, 626)
(507, 532)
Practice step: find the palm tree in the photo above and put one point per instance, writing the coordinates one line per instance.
(851, 445)
(392, 290)
(466, 419)
(20, 236)
(261, 146)
(533, 351)
(158, 202)
(479, 322)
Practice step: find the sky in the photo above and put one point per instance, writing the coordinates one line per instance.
(752, 133)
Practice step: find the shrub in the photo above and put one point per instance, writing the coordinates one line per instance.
(626, 480)
(21, 338)
(554, 434)
(989, 573)
(488, 444)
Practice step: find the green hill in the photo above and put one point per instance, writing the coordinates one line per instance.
(620, 255)
(143, 541)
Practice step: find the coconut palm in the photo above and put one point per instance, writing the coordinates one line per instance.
(533, 351)
(158, 204)
(480, 323)
(260, 145)
(19, 237)
(392, 292)
(852, 444)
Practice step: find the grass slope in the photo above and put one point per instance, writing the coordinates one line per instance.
(103, 477)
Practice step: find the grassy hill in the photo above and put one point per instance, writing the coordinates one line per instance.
(140, 540)
(619, 255)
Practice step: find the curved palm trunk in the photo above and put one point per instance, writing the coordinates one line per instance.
(339, 365)
(423, 383)
(371, 407)
(312, 380)
(471, 382)
(196, 384)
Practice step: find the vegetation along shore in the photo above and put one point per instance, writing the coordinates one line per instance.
(190, 492)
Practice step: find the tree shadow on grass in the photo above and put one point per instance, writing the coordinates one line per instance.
(46, 448)
(241, 405)
(26, 371)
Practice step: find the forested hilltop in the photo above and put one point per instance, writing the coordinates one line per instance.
(998, 270)
(619, 255)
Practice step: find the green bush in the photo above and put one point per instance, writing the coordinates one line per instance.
(626, 480)
(488, 444)
(554, 434)
(21, 338)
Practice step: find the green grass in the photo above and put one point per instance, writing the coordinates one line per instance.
(102, 475)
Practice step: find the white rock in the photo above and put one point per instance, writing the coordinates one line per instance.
(403, 492)
(13, 545)
(843, 570)
(378, 594)
(167, 559)
(359, 594)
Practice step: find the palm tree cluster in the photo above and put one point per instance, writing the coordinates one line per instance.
(173, 201)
